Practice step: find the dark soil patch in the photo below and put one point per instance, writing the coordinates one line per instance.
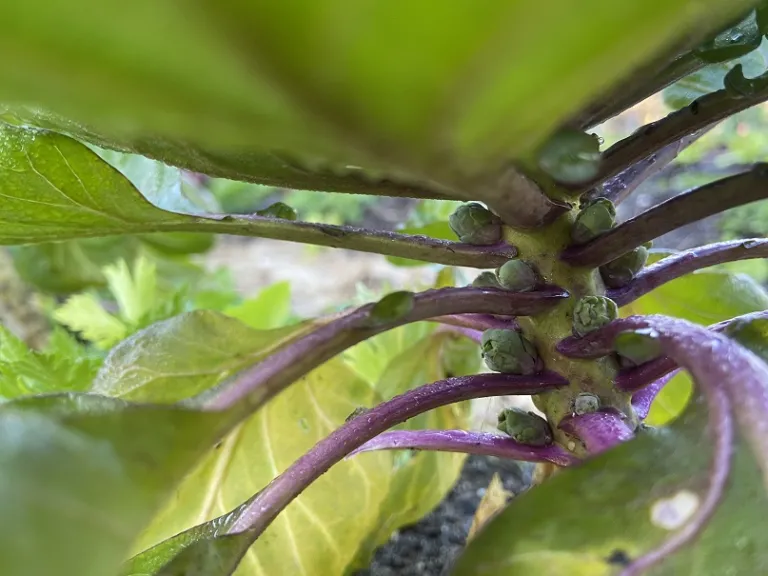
(429, 547)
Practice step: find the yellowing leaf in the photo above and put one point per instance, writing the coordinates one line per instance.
(494, 500)
(135, 292)
(83, 313)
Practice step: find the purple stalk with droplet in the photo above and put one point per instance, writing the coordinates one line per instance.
(715, 362)
(259, 512)
(599, 431)
(685, 262)
(467, 442)
(256, 385)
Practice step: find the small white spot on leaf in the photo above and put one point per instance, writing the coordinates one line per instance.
(672, 513)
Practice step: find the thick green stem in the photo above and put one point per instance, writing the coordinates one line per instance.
(545, 329)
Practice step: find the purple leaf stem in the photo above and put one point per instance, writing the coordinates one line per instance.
(676, 212)
(686, 262)
(634, 379)
(599, 431)
(469, 443)
(256, 385)
(721, 434)
(421, 248)
(480, 322)
(642, 400)
(475, 335)
(259, 512)
(715, 362)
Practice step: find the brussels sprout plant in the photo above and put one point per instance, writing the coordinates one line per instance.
(146, 465)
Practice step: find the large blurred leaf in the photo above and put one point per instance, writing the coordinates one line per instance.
(585, 520)
(704, 297)
(82, 475)
(325, 79)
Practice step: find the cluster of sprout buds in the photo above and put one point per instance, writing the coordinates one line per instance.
(509, 352)
(571, 156)
(592, 313)
(596, 218)
(514, 275)
(620, 272)
(636, 347)
(525, 427)
(474, 224)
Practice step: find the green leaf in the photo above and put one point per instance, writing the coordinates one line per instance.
(84, 315)
(568, 525)
(63, 366)
(710, 78)
(704, 297)
(82, 475)
(185, 355)
(258, 77)
(271, 308)
(752, 334)
(55, 188)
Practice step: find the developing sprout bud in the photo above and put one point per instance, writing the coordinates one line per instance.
(509, 352)
(585, 403)
(621, 271)
(474, 224)
(517, 276)
(638, 346)
(592, 313)
(571, 156)
(486, 280)
(595, 219)
(278, 210)
(525, 427)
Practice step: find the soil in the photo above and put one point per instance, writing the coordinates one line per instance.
(429, 547)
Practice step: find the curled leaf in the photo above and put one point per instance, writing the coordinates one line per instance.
(732, 43)
(571, 156)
